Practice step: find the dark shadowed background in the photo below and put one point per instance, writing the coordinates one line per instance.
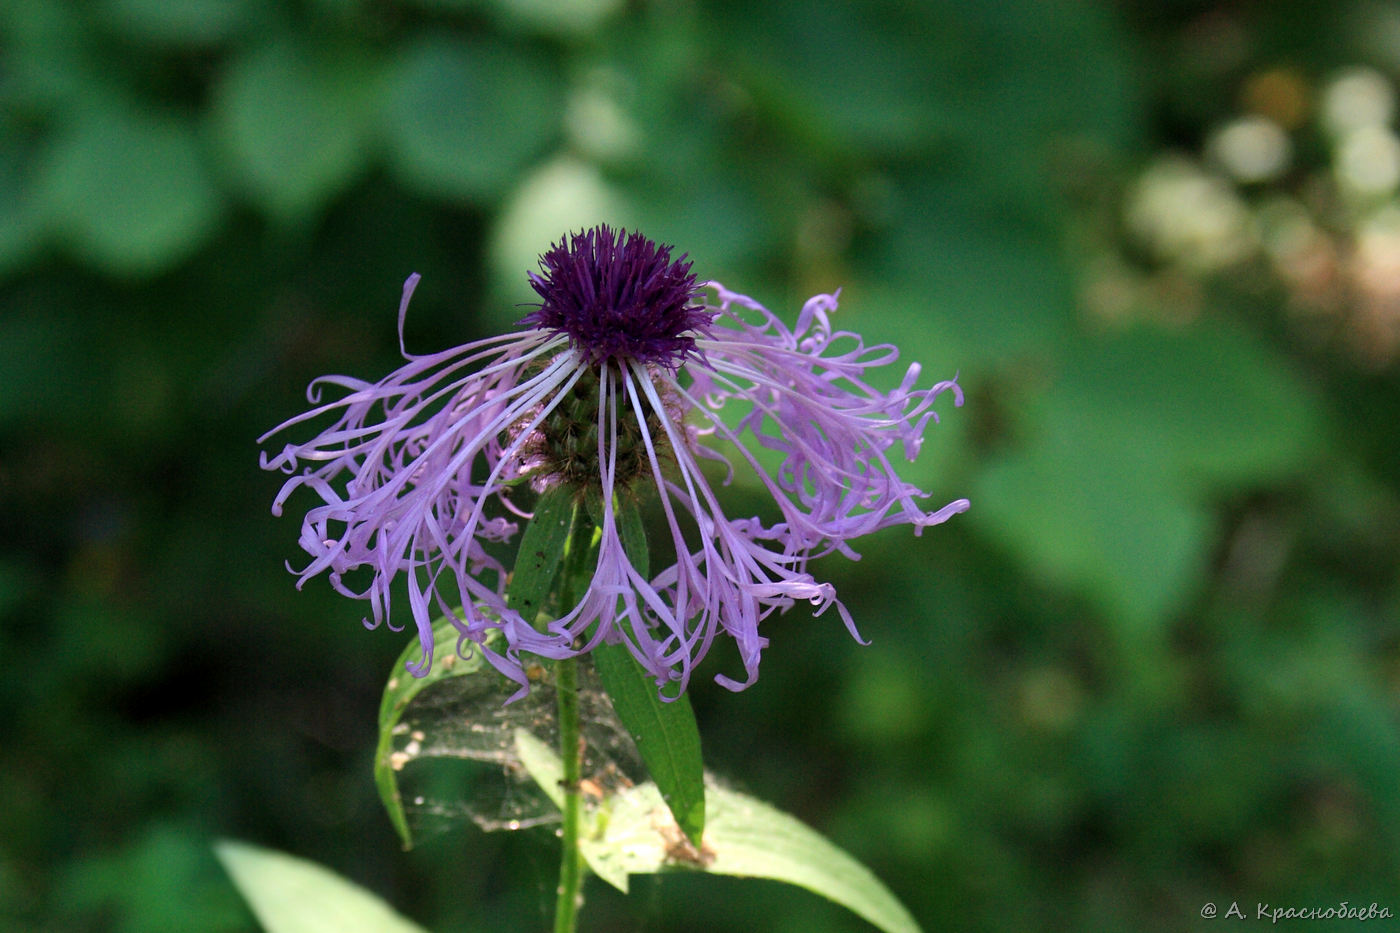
(1156, 665)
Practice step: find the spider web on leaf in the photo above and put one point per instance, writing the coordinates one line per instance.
(455, 750)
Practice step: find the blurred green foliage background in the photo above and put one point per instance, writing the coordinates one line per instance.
(1155, 665)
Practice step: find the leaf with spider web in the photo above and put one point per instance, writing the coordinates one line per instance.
(447, 743)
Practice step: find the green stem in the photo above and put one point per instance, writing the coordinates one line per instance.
(580, 548)
(571, 865)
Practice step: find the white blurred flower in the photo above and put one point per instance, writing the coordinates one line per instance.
(1252, 149)
(1187, 216)
(1378, 253)
(1368, 161)
(1358, 98)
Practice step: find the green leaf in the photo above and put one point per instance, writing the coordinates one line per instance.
(569, 20)
(1120, 505)
(453, 733)
(468, 718)
(21, 222)
(1019, 304)
(781, 57)
(634, 535)
(129, 191)
(1154, 386)
(565, 19)
(296, 128)
(541, 551)
(465, 117)
(630, 833)
(189, 23)
(160, 877)
(1106, 519)
(665, 731)
(399, 692)
(292, 895)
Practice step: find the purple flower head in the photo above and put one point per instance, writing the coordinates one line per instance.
(625, 380)
(619, 297)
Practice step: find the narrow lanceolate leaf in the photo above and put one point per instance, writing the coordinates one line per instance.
(665, 730)
(631, 833)
(634, 536)
(292, 895)
(541, 551)
(399, 692)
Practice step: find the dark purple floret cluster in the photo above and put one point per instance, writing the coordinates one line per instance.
(619, 296)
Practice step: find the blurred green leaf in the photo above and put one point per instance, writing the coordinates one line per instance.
(1100, 512)
(1023, 82)
(464, 117)
(632, 833)
(33, 347)
(992, 87)
(1212, 401)
(128, 190)
(17, 582)
(187, 23)
(565, 19)
(452, 6)
(296, 127)
(968, 282)
(808, 65)
(160, 880)
(1110, 492)
(48, 58)
(724, 220)
(21, 223)
(292, 895)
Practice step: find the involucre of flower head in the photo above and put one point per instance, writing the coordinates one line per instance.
(623, 381)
